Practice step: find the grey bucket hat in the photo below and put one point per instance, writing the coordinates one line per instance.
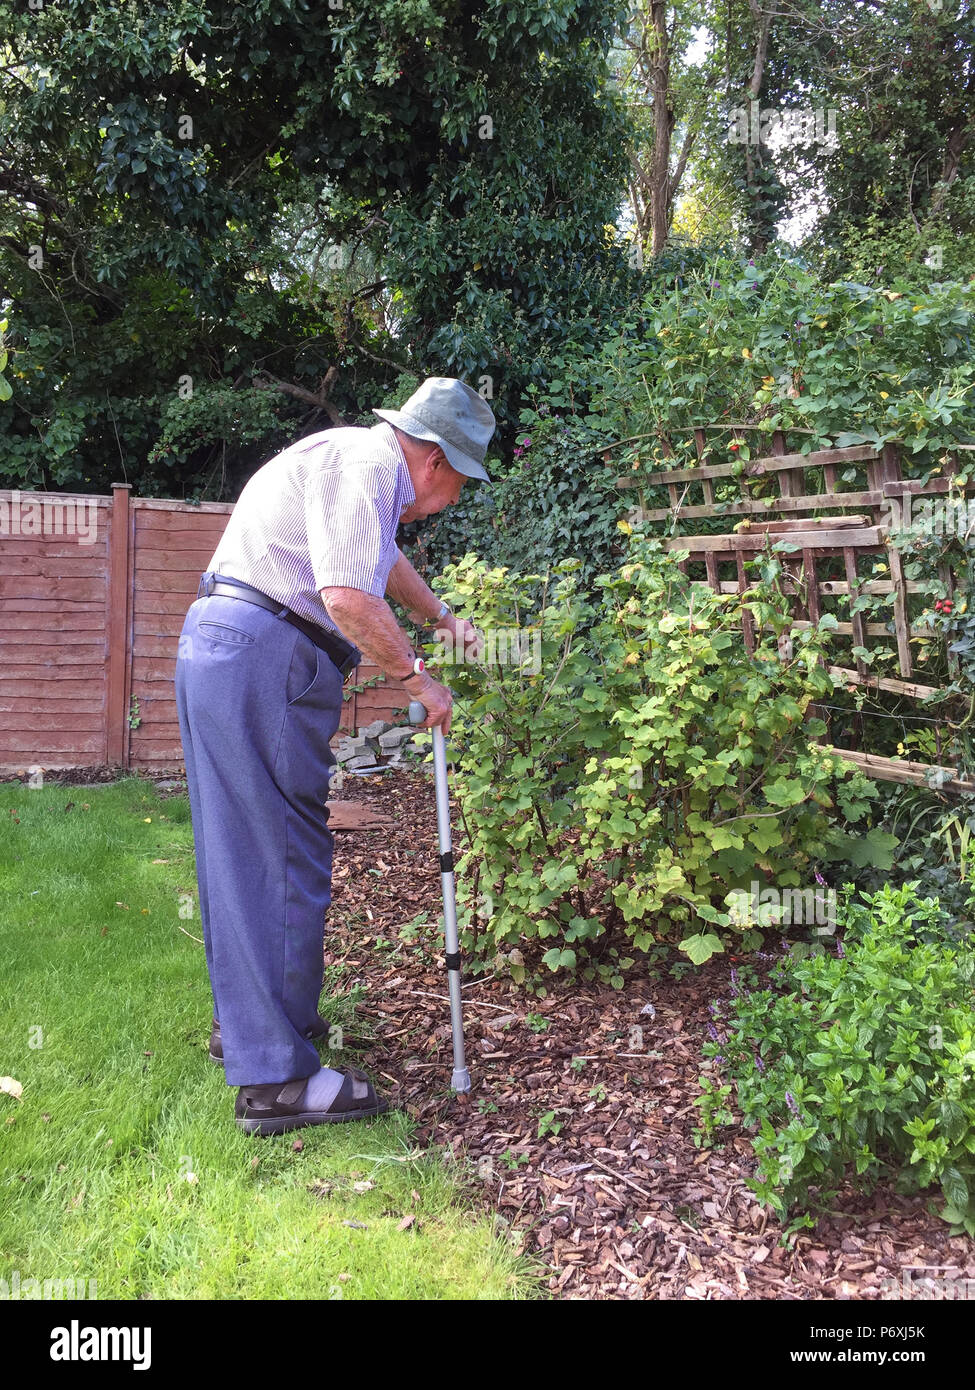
(449, 413)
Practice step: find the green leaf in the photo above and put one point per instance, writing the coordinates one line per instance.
(784, 791)
(556, 959)
(955, 1188)
(953, 1121)
(701, 947)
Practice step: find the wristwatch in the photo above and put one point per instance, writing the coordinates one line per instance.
(419, 666)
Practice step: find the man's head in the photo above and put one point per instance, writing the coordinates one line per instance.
(448, 427)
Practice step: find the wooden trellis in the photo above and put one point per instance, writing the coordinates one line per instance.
(825, 567)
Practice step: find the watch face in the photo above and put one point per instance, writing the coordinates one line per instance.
(419, 665)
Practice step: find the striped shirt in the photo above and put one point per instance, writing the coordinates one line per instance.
(323, 512)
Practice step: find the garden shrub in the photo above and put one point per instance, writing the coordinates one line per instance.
(624, 765)
(857, 1059)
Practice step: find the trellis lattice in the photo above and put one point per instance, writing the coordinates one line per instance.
(830, 561)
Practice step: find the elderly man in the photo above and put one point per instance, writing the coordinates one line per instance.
(292, 598)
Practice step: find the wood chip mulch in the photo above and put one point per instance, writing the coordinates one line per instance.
(592, 1166)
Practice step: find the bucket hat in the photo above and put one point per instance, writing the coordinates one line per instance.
(449, 413)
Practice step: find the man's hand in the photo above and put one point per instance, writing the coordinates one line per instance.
(460, 639)
(435, 698)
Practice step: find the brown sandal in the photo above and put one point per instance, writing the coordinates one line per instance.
(276, 1108)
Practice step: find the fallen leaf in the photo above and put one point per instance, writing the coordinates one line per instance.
(10, 1087)
(363, 1186)
(407, 1222)
(125, 906)
(297, 1146)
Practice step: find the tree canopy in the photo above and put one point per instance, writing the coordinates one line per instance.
(214, 215)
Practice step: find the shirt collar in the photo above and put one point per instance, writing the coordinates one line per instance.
(408, 492)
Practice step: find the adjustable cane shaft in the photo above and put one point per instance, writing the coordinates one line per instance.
(460, 1080)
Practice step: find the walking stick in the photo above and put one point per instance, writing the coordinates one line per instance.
(461, 1077)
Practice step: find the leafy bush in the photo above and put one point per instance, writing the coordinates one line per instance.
(624, 763)
(860, 1060)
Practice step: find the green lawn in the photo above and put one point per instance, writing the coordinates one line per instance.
(121, 1162)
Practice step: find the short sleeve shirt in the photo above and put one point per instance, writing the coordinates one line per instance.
(322, 513)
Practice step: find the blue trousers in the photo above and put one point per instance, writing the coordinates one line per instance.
(258, 703)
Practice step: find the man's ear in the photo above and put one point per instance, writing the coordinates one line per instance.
(436, 457)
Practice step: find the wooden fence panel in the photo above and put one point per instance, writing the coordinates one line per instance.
(90, 628)
(54, 599)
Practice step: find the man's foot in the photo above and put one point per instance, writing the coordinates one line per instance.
(284, 1105)
(317, 1030)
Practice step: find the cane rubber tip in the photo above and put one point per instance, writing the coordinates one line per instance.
(417, 712)
(461, 1080)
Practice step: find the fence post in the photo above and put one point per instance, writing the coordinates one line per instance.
(116, 742)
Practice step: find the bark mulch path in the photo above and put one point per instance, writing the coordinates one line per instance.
(579, 1126)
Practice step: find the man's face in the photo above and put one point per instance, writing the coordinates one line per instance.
(437, 485)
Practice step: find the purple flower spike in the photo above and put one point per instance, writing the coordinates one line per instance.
(839, 949)
(760, 1064)
(791, 1103)
(820, 880)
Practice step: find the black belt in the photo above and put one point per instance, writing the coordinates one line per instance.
(342, 653)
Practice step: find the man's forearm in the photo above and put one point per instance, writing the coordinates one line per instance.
(406, 587)
(369, 622)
